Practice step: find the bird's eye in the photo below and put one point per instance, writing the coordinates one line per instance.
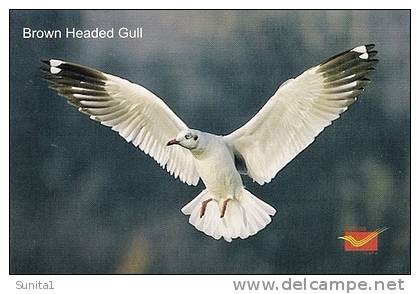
(188, 136)
(195, 138)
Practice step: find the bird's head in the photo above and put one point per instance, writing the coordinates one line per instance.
(188, 139)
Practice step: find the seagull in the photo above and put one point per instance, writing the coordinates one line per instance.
(298, 111)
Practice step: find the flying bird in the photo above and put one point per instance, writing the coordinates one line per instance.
(290, 120)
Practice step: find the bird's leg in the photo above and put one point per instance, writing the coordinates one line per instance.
(203, 207)
(223, 210)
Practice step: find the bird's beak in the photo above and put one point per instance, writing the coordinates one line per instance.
(172, 142)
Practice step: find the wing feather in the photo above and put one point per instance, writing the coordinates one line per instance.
(301, 109)
(134, 112)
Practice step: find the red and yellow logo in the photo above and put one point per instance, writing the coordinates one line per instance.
(361, 240)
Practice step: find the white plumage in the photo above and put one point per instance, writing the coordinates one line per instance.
(299, 110)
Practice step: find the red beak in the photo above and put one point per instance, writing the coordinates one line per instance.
(172, 142)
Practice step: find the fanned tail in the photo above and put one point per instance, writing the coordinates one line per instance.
(243, 217)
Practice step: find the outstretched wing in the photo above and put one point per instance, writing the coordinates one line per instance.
(134, 112)
(299, 110)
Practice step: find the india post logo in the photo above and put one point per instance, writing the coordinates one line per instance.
(361, 240)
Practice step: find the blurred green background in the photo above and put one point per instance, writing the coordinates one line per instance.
(82, 200)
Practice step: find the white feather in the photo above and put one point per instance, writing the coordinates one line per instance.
(244, 216)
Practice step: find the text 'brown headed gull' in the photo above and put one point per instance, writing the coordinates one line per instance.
(291, 119)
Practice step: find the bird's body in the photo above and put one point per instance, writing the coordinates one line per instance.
(216, 166)
(291, 119)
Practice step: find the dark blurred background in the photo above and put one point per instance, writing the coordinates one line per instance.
(82, 200)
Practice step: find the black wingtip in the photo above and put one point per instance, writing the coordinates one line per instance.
(370, 46)
(44, 70)
(45, 61)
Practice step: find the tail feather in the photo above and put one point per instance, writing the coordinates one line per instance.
(244, 216)
(188, 209)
